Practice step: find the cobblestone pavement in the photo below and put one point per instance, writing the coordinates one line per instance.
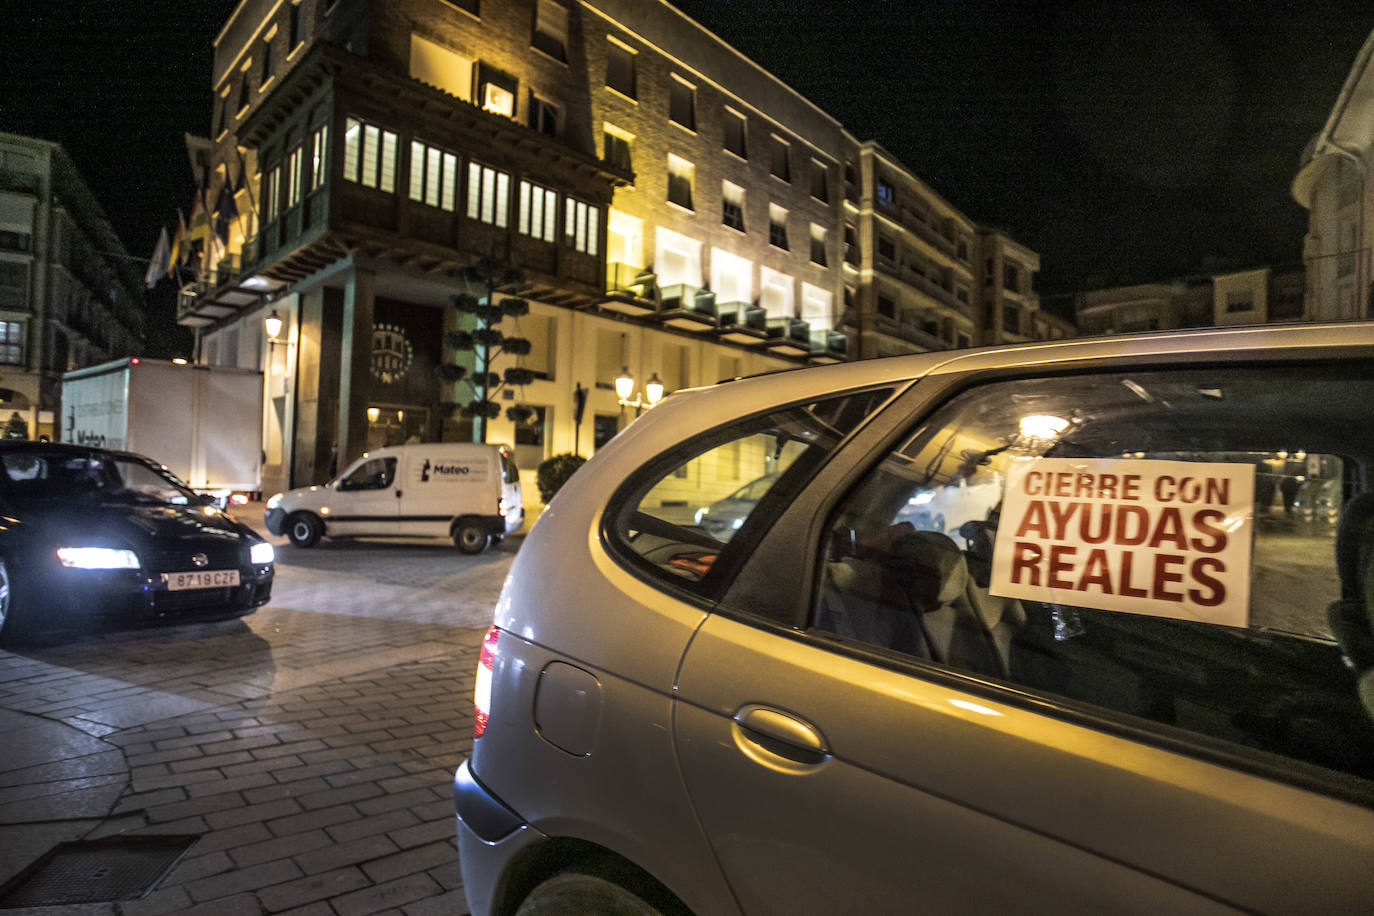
(309, 747)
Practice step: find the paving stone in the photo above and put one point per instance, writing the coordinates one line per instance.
(283, 789)
(165, 900)
(451, 903)
(243, 879)
(365, 849)
(427, 832)
(243, 835)
(196, 867)
(243, 814)
(196, 806)
(307, 890)
(296, 844)
(393, 893)
(368, 826)
(411, 861)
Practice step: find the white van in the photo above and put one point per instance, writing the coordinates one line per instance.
(460, 490)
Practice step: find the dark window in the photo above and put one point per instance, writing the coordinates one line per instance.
(942, 554)
(243, 91)
(818, 246)
(886, 307)
(222, 124)
(820, 181)
(551, 28)
(680, 182)
(545, 116)
(15, 241)
(851, 246)
(604, 428)
(735, 129)
(779, 160)
(618, 152)
(11, 343)
(268, 64)
(777, 227)
(374, 474)
(295, 34)
(1011, 277)
(620, 70)
(963, 250)
(886, 193)
(682, 104)
(964, 341)
(472, 6)
(732, 214)
(887, 248)
(1240, 302)
(1011, 319)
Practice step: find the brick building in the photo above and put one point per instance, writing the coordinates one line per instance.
(673, 210)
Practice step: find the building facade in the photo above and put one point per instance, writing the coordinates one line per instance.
(667, 207)
(1334, 185)
(69, 294)
(1262, 295)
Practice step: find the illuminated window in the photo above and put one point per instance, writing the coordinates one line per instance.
(736, 129)
(581, 228)
(271, 193)
(317, 156)
(680, 178)
(433, 176)
(435, 65)
(369, 155)
(732, 205)
(886, 193)
(551, 28)
(11, 343)
(293, 178)
(620, 69)
(538, 212)
(488, 195)
(777, 226)
(818, 245)
(780, 158)
(775, 293)
(682, 103)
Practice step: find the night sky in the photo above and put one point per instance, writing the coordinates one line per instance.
(1125, 142)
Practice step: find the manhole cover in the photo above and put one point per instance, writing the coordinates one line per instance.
(95, 871)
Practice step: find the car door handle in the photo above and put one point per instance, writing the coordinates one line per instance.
(784, 734)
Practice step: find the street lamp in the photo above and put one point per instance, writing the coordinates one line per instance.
(273, 325)
(625, 386)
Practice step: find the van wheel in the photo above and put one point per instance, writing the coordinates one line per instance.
(470, 537)
(572, 892)
(304, 530)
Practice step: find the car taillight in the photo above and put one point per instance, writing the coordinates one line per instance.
(481, 694)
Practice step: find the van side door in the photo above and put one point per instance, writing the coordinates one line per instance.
(364, 502)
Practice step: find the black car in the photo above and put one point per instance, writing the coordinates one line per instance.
(90, 535)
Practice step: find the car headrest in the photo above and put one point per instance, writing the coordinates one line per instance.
(931, 566)
(1355, 548)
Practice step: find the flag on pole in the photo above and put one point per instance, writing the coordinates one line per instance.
(200, 219)
(160, 261)
(178, 253)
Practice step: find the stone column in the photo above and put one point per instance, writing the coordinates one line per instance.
(355, 371)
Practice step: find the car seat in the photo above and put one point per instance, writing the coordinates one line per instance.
(1352, 616)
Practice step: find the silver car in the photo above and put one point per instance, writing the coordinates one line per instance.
(1140, 681)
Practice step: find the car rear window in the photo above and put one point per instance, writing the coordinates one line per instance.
(677, 518)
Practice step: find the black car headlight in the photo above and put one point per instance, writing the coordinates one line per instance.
(97, 558)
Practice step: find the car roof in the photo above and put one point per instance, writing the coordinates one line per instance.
(696, 409)
(68, 448)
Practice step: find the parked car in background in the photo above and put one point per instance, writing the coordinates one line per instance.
(92, 535)
(460, 490)
(1109, 688)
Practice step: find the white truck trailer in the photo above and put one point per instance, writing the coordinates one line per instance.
(204, 423)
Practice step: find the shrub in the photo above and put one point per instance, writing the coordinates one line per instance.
(554, 472)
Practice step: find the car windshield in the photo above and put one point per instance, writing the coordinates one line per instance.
(62, 475)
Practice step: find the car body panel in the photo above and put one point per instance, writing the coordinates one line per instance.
(1003, 800)
(966, 779)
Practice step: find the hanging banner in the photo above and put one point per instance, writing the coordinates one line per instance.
(1163, 538)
